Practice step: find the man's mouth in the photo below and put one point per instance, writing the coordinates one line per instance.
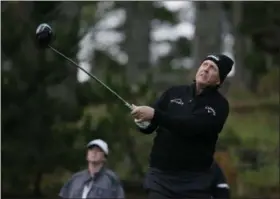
(202, 74)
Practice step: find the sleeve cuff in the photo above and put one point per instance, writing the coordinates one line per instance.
(157, 117)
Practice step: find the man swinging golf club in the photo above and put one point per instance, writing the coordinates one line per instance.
(188, 119)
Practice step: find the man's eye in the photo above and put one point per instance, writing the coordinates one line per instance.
(214, 68)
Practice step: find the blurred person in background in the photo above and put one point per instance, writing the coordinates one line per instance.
(97, 181)
(220, 188)
(187, 120)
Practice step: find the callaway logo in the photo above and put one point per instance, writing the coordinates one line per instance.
(177, 101)
(214, 57)
(210, 110)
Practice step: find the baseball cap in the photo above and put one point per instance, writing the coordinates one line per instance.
(101, 144)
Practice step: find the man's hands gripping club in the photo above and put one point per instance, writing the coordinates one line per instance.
(142, 115)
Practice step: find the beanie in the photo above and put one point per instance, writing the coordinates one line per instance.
(224, 64)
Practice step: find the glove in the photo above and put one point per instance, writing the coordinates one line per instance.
(142, 125)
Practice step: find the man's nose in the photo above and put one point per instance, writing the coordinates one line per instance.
(206, 69)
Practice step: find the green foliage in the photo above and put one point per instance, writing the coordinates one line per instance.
(269, 83)
(253, 139)
(255, 61)
(38, 127)
(165, 15)
(255, 178)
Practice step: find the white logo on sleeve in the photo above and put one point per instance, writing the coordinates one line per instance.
(210, 110)
(223, 185)
(177, 101)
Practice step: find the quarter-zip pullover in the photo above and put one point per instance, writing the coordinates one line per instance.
(187, 127)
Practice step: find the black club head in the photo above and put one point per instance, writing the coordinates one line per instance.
(44, 35)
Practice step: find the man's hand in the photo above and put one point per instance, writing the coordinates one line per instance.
(143, 113)
(139, 122)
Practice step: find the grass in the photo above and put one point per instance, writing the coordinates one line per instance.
(257, 131)
(259, 127)
(266, 176)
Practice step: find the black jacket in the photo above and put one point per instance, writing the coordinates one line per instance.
(187, 127)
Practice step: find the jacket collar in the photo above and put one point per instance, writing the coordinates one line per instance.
(88, 177)
(206, 91)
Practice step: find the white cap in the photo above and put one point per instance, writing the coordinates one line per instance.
(101, 144)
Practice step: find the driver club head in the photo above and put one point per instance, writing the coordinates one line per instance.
(44, 35)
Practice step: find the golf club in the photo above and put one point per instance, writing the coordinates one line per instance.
(44, 35)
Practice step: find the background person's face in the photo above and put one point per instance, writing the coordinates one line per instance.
(95, 155)
(208, 74)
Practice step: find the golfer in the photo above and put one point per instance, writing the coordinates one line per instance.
(96, 181)
(187, 120)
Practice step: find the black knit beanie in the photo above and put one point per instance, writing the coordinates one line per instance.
(224, 64)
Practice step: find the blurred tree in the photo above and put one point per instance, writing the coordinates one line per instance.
(39, 94)
(264, 31)
(137, 42)
(256, 40)
(242, 77)
(208, 32)
(263, 28)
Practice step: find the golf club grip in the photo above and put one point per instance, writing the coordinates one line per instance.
(92, 76)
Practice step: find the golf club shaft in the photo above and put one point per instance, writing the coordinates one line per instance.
(92, 76)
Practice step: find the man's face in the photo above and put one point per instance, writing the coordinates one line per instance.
(208, 74)
(95, 155)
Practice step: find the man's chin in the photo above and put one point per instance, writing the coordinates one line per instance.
(202, 83)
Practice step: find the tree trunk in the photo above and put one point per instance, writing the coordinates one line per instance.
(241, 78)
(137, 43)
(69, 19)
(208, 31)
(37, 192)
